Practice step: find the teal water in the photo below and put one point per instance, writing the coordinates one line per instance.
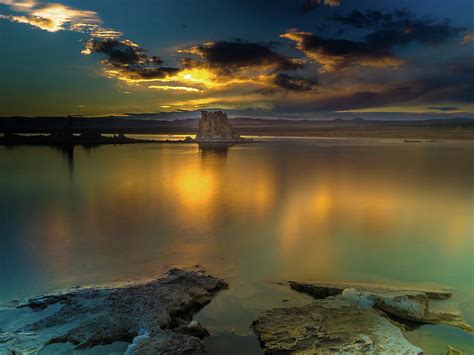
(318, 209)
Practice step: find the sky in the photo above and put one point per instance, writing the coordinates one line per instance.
(272, 58)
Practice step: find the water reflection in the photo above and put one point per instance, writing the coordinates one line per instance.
(68, 153)
(249, 213)
(214, 150)
(308, 212)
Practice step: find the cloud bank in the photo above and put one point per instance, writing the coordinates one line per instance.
(361, 65)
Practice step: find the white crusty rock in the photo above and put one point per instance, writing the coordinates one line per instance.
(215, 127)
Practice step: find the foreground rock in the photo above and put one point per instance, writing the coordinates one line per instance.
(359, 318)
(331, 325)
(155, 316)
(215, 127)
(324, 289)
(403, 304)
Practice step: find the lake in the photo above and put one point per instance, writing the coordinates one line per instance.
(369, 210)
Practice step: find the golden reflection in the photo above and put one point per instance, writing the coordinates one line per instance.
(322, 202)
(195, 185)
(194, 204)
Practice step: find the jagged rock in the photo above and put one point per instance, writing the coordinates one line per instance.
(215, 127)
(331, 325)
(402, 304)
(97, 316)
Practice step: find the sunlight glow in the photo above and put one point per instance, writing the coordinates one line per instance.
(177, 88)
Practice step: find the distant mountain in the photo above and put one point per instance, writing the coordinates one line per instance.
(136, 124)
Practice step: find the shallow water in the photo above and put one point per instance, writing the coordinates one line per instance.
(323, 209)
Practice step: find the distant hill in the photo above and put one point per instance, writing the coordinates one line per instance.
(452, 127)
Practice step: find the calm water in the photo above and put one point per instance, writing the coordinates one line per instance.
(321, 209)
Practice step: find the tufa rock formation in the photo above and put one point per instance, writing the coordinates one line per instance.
(215, 127)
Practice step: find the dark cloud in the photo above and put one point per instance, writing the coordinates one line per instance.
(443, 108)
(129, 59)
(230, 57)
(309, 5)
(450, 81)
(349, 101)
(339, 54)
(420, 91)
(405, 32)
(360, 19)
(122, 52)
(399, 28)
(290, 83)
(375, 49)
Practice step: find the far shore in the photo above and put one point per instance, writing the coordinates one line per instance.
(425, 135)
(435, 129)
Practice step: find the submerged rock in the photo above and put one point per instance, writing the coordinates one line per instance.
(351, 318)
(215, 127)
(156, 314)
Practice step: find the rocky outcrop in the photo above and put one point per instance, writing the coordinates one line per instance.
(215, 127)
(155, 316)
(332, 325)
(324, 289)
(359, 318)
(403, 304)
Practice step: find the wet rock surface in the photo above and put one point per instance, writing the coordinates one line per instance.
(351, 317)
(159, 313)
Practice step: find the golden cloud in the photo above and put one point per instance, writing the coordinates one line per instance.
(173, 88)
(53, 17)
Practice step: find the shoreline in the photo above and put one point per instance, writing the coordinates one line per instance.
(386, 313)
(72, 141)
(44, 140)
(455, 129)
